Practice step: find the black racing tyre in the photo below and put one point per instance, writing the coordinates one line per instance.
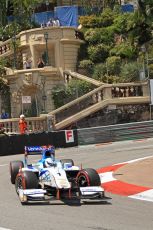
(14, 169)
(63, 161)
(26, 180)
(88, 177)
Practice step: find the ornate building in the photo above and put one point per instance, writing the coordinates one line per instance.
(60, 47)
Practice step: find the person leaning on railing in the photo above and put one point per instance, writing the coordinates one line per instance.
(40, 63)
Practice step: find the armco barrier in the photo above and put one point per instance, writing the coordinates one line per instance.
(130, 131)
(111, 133)
(15, 144)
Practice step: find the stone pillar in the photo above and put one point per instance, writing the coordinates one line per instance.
(145, 90)
(33, 56)
(107, 93)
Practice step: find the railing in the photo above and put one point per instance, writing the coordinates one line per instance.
(127, 93)
(69, 74)
(34, 124)
(6, 47)
(124, 93)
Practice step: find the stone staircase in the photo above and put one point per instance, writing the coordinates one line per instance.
(97, 99)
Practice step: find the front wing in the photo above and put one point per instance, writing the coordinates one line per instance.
(91, 193)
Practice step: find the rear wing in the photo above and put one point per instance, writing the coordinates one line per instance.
(37, 150)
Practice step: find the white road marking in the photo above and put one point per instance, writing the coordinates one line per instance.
(5, 228)
(147, 195)
(4, 165)
(135, 160)
(106, 177)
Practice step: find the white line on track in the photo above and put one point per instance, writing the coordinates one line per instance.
(3, 166)
(146, 195)
(4, 228)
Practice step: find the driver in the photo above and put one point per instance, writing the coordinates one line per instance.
(49, 162)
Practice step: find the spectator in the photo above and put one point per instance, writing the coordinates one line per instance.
(50, 22)
(43, 25)
(56, 22)
(27, 63)
(4, 115)
(22, 124)
(40, 63)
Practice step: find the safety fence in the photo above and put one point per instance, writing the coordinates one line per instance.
(112, 133)
(14, 144)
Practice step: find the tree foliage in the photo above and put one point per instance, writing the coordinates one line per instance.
(76, 88)
(114, 38)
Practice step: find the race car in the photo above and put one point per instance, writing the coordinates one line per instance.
(50, 178)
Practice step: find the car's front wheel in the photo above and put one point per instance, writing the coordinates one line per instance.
(88, 177)
(26, 180)
(14, 169)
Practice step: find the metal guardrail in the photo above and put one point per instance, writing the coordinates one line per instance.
(112, 133)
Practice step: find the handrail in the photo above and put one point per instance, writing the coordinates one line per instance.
(83, 77)
(6, 47)
(34, 124)
(76, 109)
(93, 92)
(81, 107)
(94, 108)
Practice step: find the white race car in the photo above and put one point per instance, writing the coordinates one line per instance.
(49, 178)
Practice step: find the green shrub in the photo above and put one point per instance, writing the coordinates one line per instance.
(91, 21)
(76, 88)
(106, 18)
(101, 35)
(113, 65)
(124, 50)
(99, 71)
(98, 53)
(130, 72)
(120, 23)
(88, 64)
(58, 96)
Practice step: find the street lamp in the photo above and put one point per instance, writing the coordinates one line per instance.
(143, 50)
(44, 97)
(14, 50)
(46, 40)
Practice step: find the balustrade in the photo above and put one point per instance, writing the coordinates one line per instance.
(79, 105)
(103, 93)
(34, 124)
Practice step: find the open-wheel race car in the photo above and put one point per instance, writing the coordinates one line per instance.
(50, 178)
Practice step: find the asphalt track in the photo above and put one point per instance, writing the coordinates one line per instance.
(117, 163)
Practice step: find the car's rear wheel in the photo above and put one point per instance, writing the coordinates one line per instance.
(26, 180)
(88, 177)
(14, 169)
